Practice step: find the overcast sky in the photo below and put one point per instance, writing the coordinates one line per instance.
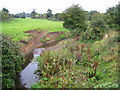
(41, 6)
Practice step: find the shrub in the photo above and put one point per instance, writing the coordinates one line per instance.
(96, 30)
(54, 67)
(11, 62)
(80, 65)
(74, 18)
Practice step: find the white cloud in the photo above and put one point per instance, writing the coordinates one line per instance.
(41, 6)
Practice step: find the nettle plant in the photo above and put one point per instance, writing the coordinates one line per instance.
(57, 69)
(55, 61)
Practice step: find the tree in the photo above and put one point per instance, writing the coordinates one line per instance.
(59, 16)
(49, 13)
(56, 15)
(38, 16)
(33, 13)
(5, 14)
(5, 10)
(90, 14)
(44, 15)
(97, 28)
(112, 16)
(22, 15)
(118, 14)
(74, 18)
(16, 16)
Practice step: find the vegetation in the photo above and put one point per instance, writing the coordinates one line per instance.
(11, 62)
(81, 65)
(4, 14)
(17, 27)
(20, 15)
(85, 57)
(112, 16)
(33, 13)
(97, 28)
(71, 18)
(85, 63)
(49, 13)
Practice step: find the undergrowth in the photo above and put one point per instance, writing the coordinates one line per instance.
(81, 66)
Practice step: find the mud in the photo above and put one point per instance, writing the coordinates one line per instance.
(35, 42)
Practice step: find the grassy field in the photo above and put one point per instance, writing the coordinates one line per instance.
(17, 27)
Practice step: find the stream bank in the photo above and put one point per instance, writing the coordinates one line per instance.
(31, 50)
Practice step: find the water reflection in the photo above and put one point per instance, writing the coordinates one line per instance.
(27, 76)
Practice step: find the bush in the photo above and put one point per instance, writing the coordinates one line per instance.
(11, 62)
(74, 18)
(80, 66)
(97, 28)
(54, 67)
(112, 16)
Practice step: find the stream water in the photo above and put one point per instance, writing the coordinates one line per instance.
(27, 77)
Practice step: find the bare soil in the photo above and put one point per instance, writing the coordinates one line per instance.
(36, 43)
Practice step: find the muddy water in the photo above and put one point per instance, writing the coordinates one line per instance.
(27, 77)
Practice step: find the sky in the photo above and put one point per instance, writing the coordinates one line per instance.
(57, 6)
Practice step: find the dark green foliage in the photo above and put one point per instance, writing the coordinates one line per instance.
(5, 10)
(74, 18)
(20, 15)
(59, 16)
(16, 16)
(11, 62)
(56, 15)
(113, 16)
(49, 13)
(90, 14)
(33, 14)
(118, 14)
(97, 28)
(5, 14)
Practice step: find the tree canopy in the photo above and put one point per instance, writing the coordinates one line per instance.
(112, 16)
(49, 13)
(33, 13)
(74, 17)
(5, 14)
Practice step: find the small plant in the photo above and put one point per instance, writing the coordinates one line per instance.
(107, 85)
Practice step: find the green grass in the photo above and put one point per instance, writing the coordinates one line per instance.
(16, 27)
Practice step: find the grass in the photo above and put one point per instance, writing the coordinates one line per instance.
(16, 27)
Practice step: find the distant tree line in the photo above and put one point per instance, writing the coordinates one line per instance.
(5, 15)
(74, 17)
(20, 15)
(48, 15)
